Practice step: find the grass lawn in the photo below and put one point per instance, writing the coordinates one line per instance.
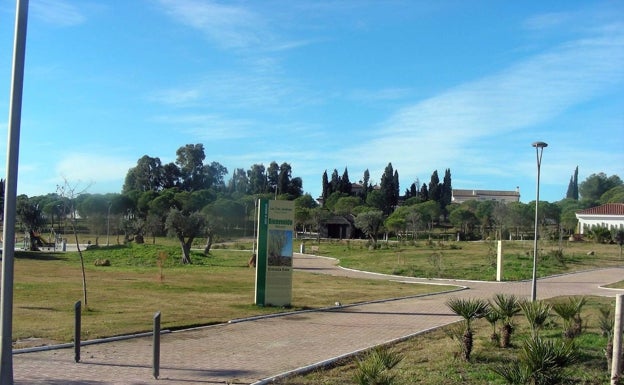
(471, 260)
(432, 358)
(122, 298)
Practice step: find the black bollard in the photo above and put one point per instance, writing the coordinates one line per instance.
(156, 346)
(77, 321)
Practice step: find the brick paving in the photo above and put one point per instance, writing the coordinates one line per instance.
(253, 351)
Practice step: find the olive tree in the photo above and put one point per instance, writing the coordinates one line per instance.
(185, 227)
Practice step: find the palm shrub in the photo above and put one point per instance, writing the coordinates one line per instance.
(469, 310)
(570, 313)
(375, 369)
(540, 362)
(545, 360)
(606, 323)
(492, 317)
(507, 306)
(536, 313)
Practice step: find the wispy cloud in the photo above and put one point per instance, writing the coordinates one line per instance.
(57, 12)
(234, 90)
(547, 20)
(372, 96)
(209, 127)
(522, 97)
(230, 26)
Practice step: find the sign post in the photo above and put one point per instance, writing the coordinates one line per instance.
(274, 260)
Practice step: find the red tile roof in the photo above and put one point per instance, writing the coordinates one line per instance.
(606, 209)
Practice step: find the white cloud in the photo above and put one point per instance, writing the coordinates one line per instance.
(228, 25)
(209, 127)
(231, 26)
(547, 20)
(90, 167)
(522, 97)
(57, 12)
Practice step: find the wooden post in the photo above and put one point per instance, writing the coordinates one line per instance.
(616, 364)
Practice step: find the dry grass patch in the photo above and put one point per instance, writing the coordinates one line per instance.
(123, 297)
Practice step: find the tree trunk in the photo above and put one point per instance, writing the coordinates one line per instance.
(82, 266)
(186, 250)
(507, 329)
(467, 342)
(208, 244)
(33, 241)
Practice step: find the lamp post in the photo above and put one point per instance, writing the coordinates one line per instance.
(539, 149)
(108, 222)
(10, 194)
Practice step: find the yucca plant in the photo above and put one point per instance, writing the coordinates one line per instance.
(375, 369)
(507, 306)
(537, 313)
(570, 313)
(469, 310)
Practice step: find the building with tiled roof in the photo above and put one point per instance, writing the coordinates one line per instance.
(610, 215)
(461, 196)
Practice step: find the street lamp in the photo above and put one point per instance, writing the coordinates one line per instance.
(539, 149)
(10, 194)
(108, 222)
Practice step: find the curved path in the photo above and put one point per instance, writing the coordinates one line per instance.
(254, 351)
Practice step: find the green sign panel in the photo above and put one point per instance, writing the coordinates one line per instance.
(274, 262)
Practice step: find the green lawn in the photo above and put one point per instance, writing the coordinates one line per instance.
(470, 260)
(122, 298)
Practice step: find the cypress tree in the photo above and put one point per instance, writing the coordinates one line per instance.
(365, 181)
(325, 187)
(435, 188)
(447, 190)
(424, 193)
(388, 189)
(345, 182)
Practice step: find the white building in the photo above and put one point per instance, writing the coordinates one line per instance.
(610, 215)
(461, 196)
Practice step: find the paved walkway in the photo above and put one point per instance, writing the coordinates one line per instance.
(251, 351)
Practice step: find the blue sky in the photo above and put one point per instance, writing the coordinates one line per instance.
(322, 85)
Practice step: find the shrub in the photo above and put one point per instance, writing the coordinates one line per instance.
(375, 368)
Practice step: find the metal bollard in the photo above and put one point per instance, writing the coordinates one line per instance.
(156, 346)
(77, 326)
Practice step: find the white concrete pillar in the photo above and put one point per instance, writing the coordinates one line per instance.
(499, 261)
(616, 364)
